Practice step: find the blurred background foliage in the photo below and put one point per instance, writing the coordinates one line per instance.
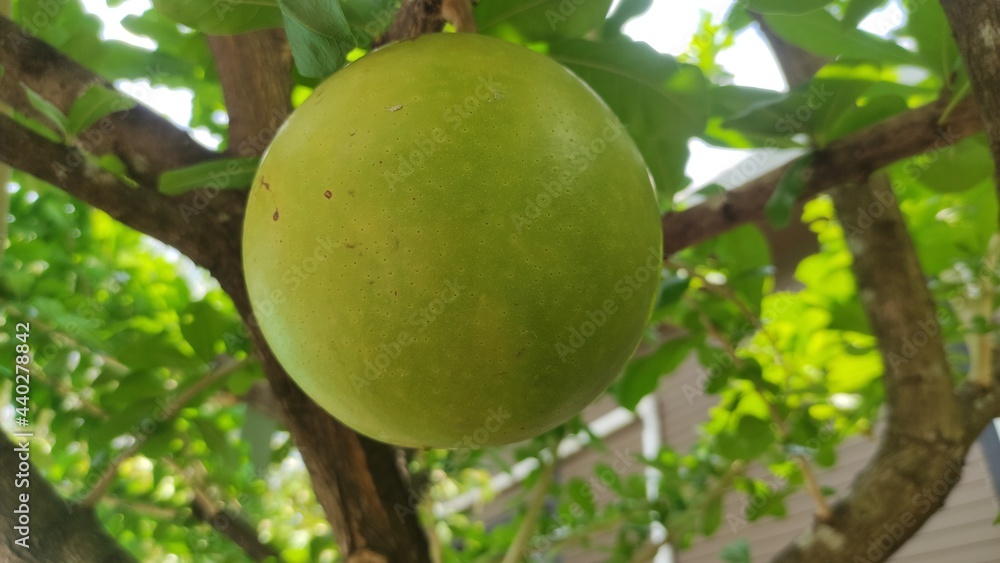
(126, 331)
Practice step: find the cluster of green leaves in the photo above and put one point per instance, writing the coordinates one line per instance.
(120, 331)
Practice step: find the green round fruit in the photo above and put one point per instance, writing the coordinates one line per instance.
(453, 242)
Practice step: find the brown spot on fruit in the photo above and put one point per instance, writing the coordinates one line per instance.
(275, 216)
(328, 194)
(265, 184)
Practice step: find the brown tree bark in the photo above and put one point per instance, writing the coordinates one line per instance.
(923, 447)
(976, 27)
(58, 531)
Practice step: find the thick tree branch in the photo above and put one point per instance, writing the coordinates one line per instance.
(255, 70)
(147, 143)
(356, 480)
(923, 447)
(850, 159)
(181, 221)
(976, 27)
(59, 531)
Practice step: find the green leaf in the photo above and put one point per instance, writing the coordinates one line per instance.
(812, 109)
(319, 34)
(163, 442)
(711, 517)
(661, 102)
(137, 385)
(626, 11)
(875, 110)
(369, 18)
(858, 10)
(752, 437)
(746, 256)
(582, 495)
(672, 288)
(642, 374)
(202, 326)
(126, 421)
(539, 19)
(787, 7)
(778, 208)
(729, 100)
(148, 351)
(736, 552)
(223, 174)
(54, 115)
(216, 441)
(927, 24)
(95, 104)
(222, 17)
(958, 167)
(821, 34)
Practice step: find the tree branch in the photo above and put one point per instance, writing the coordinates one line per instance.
(173, 220)
(72, 534)
(255, 70)
(147, 143)
(238, 530)
(976, 27)
(847, 160)
(923, 447)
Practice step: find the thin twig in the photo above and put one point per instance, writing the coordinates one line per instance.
(111, 471)
(238, 530)
(537, 503)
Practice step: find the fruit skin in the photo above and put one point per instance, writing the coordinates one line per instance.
(452, 243)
